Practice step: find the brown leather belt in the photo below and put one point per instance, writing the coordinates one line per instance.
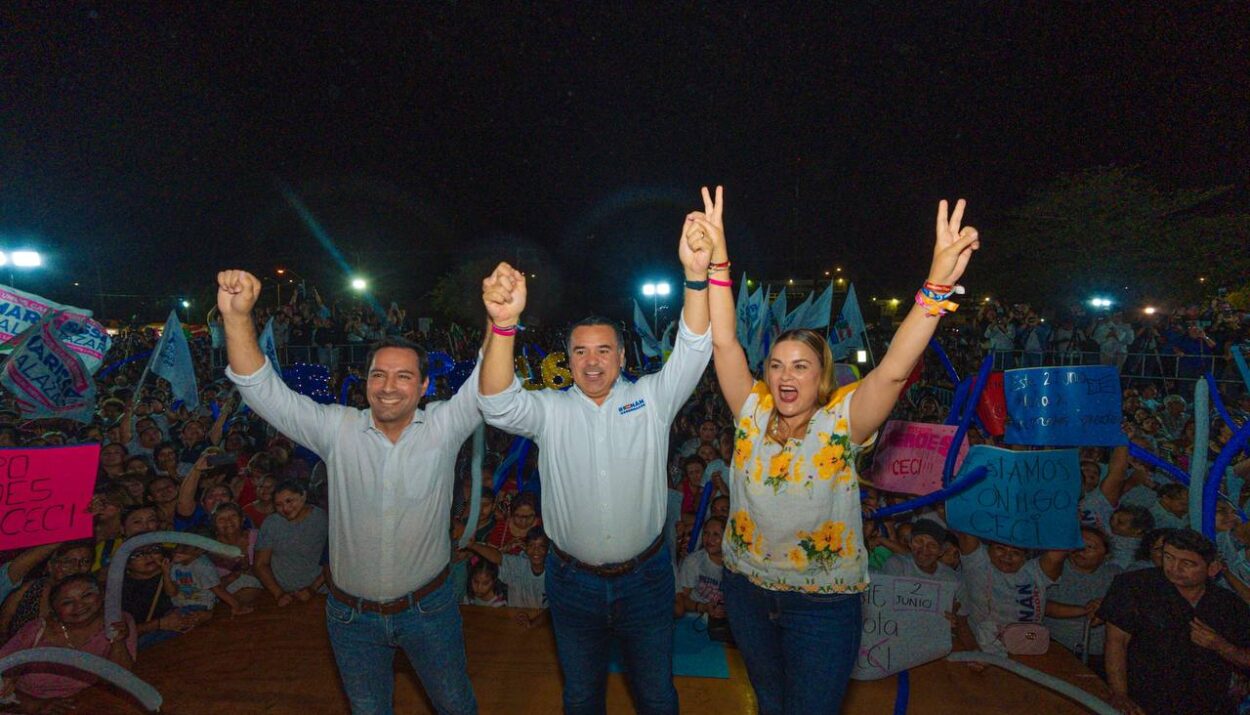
(393, 606)
(611, 570)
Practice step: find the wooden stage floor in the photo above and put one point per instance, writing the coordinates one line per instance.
(279, 661)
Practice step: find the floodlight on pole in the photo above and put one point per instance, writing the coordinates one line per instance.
(359, 284)
(26, 259)
(654, 291)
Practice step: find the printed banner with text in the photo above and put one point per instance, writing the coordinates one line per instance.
(911, 455)
(44, 494)
(1063, 406)
(904, 625)
(1028, 499)
(19, 310)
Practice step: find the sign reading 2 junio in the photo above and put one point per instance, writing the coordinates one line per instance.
(44, 494)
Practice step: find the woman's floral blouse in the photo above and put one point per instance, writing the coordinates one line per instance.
(794, 517)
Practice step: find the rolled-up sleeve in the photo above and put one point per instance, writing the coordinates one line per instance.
(294, 415)
(672, 385)
(515, 410)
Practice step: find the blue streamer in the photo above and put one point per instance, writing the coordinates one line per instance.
(516, 453)
(946, 361)
(957, 402)
(903, 694)
(1199, 459)
(1214, 391)
(1210, 489)
(1158, 463)
(347, 383)
(699, 515)
(970, 411)
(959, 485)
(104, 371)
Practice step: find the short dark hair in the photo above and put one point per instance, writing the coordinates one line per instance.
(59, 587)
(291, 485)
(394, 341)
(1171, 490)
(1139, 517)
(534, 534)
(1148, 540)
(593, 321)
(1190, 540)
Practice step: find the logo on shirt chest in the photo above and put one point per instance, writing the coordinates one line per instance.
(634, 406)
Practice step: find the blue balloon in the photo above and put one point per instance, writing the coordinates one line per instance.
(475, 499)
(903, 694)
(942, 494)
(117, 567)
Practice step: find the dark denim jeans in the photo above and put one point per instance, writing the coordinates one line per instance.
(799, 648)
(429, 633)
(587, 611)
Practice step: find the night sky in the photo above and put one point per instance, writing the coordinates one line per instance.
(146, 146)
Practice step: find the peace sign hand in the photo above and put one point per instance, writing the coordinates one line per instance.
(703, 238)
(954, 245)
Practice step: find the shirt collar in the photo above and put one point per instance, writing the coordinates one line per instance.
(366, 418)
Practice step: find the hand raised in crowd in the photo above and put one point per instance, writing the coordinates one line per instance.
(503, 293)
(954, 245)
(237, 292)
(702, 234)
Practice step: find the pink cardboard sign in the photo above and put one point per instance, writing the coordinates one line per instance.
(910, 456)
(44, 494)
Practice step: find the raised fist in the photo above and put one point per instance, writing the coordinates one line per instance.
(237, 292)
(503, 293)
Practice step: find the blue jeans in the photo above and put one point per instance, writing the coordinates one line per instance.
(429, 632)
(587, 611)
(799, 648)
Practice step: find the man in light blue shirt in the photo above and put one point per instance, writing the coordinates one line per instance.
(602, 451)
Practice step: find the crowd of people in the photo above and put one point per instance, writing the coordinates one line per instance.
(745, 494)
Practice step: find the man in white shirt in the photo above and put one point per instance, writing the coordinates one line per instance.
(390, 477)
(602, 450)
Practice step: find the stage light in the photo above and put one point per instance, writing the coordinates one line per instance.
(26, 259)
(359, 284)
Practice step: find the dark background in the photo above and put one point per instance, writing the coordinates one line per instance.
(145, 146)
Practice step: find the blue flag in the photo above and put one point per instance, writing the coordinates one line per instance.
(819, 310)
(172, 360)
(47, 377)
(848, 332)
(650, 346)
(1028, 499)
(269, 347)
(1063, 406)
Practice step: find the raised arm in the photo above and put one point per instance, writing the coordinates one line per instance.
(237, 292)
(732, 371)
(876, 395)
(190, 485)
(1117, 476)
(503, 293)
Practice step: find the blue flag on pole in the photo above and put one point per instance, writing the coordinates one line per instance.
(269, 347)
(650, 345)
(818, 312)
(172, 361)
(46, 376)
(848, 332)
(798, 317)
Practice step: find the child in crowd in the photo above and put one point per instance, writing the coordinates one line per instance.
(1128, 525)
(1074, 599)
(192, 582)
(525, 577)
(1003, 587)
(698, 579)
(1172, 509)
(484, 586)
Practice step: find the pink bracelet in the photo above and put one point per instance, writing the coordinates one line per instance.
(507, 332)
(726, 284)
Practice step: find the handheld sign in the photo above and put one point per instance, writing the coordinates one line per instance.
(1028, 499)
(904, 625)
(44, 494)
(19, 310)
(1063, 406)
(910, 456)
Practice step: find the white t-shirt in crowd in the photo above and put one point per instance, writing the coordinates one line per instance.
(525, 588)
(699, 574)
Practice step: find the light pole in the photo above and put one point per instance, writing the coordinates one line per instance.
(654, 291)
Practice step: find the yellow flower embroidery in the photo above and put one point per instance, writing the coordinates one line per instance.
(841, 427)
(845, 475)
(796, 470)
(811, 588)
(830, 535)
(743, 525)
(849, 545)
(742, 452)
(798, 557)
(828, 460)
(766, 401)
(757, 470)
(779, 465)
